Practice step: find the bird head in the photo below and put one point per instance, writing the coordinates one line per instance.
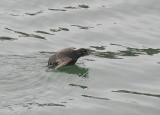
(83, 52)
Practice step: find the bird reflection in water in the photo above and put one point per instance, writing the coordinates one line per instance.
(74, 69)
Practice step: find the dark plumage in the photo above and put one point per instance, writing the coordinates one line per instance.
(66, 56)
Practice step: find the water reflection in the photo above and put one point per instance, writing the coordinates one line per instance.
(46, 53)
(73, 69)
(80, 86)
(43, 32)
(23, 34)
(77, 7)
(83, 27)
(2, 38)
(93, 97)
(119, 54)
(83, 6)
(137, 93)
(56, 9)
(137, 52)
(12, 14)
(98, 47)
(28, 106)
(109, 54)
(59, 29)
(70, 7)
(33, 14)
(50, 104)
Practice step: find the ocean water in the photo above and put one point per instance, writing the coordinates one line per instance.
(121, 75)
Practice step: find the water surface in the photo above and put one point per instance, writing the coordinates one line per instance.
(121, 75)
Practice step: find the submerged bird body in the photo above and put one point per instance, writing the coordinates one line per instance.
(67, 56)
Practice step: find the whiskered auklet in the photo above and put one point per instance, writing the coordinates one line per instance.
(66, 56)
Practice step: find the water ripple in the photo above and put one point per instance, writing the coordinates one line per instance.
(11, 14)
(43, 32)
(75, 70)
(82, 27)
(56, 9)
(23, 34)
(2, 38)
(93, 97)
(59, 29)
(77, 7)
(33, 14)
(76, 85)
(119, 54)
(137, 93)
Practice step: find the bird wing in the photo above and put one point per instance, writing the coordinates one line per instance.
(63, 61)
(66, 49)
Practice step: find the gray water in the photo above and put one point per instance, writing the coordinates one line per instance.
(120, 77)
